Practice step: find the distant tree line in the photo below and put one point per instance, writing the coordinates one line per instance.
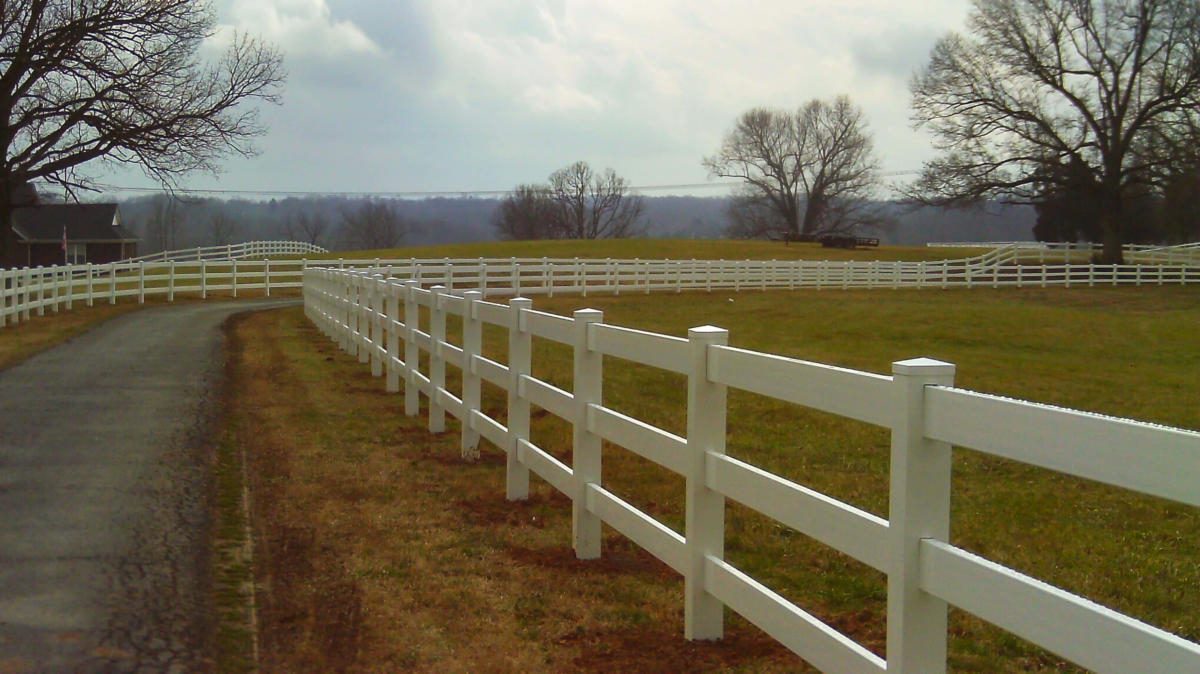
(166, 224)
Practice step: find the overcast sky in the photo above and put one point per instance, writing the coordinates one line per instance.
(459, 95)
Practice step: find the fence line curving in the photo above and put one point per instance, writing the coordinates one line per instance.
(36, 290)
(378, 319)
(236, 251)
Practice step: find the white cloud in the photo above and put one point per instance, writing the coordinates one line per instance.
(302, 28)
(484, 94)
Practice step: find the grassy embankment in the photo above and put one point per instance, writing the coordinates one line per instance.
(379, 546)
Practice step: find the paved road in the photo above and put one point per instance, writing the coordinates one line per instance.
(103, 495)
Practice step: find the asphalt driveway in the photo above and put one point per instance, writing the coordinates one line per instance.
(104, 488)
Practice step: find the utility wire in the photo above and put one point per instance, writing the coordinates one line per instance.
(416, 193)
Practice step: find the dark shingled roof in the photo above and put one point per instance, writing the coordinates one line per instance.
(85, 223)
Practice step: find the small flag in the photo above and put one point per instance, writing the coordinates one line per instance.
(64, 246)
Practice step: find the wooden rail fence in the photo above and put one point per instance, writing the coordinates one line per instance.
(378, 319)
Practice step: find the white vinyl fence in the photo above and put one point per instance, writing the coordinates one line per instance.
(1011, 266)
(32, 292)
(25, 291)
(236, 251)
(378, 320)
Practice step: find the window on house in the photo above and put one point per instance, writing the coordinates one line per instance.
(76, 253)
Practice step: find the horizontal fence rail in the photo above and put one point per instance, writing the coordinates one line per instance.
(35, 291)
(236, 251)
(26, 290)
(376, 315)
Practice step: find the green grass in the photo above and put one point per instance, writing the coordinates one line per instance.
(1126, 352)
(1121, 351)
(652, 249)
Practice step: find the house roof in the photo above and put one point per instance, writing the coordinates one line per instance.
(44, 223)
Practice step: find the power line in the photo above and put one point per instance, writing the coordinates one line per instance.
(419, 193)
(386, 194)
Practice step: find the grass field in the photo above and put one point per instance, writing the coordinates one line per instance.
(654, 249)
(381, 550)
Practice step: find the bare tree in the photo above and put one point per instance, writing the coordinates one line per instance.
(373, 224)
(1110, 87)
(526, 213)
(164, 222)
(309, 227)
(221, 228)
(119, 81)
(577, 203)
(590, 205)
(807, 173)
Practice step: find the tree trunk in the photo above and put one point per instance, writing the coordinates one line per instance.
(1111, 216)
(8, 240)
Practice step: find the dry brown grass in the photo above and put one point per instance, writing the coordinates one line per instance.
(451, 577)
(379, 549)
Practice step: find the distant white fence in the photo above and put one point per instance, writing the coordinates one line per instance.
(1188, 253)
(378, 319)
(1001, 268)
(28, 292)
(236, 251)
(23, 291)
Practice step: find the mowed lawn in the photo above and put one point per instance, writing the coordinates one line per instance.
(380, 549)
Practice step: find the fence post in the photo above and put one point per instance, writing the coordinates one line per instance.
(171, 281)
(26, 293)
(5, 284)
(203, 280)
(375, 321)
(41, 291)
(89, 283)
(142, 282)
(704, 519)
(516, 278)
(267, 276)
(352, 326)
(362, 315)
(412, 315)
(548, 276)
(472, 345)
(520, 362)
(585, 456)
(70, 281)
(233, 276)
(112, 282)
(919, 508)
(437, 364)
(54, 271)
(392, 290)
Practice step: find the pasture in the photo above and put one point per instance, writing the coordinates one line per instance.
(402, 538)
(378, 548)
